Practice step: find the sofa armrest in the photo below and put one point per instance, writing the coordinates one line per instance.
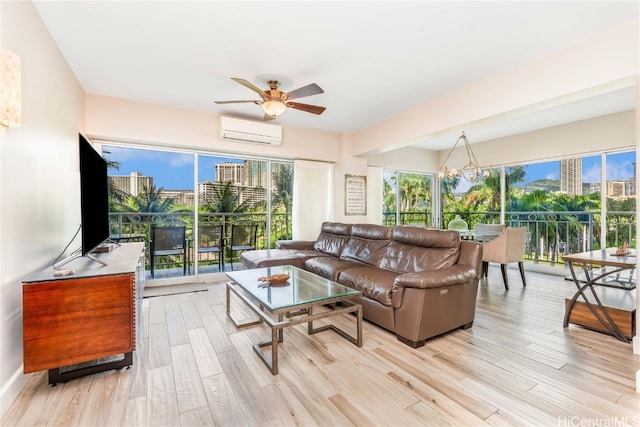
(431, 279)
(295, 244)
(454, 275)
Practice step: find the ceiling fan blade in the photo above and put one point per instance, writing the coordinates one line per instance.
(308, 90)
(235, 102)
(315, 109)
(251, 86)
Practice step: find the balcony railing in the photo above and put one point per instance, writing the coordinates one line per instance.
(549, 236)
(140, 223)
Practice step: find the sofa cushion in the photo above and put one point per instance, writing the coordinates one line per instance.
(271, 257)
(368, 243)
(373, 282)
(406, 252)
(328, 266)
(333, 236)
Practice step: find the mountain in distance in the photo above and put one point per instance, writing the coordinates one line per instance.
(541, 184)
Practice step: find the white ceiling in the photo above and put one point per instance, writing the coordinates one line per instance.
(374, 59)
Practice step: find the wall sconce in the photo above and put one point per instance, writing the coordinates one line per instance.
(470, 172)
(10, 92)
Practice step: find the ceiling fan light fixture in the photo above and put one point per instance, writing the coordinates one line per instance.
(274, 108)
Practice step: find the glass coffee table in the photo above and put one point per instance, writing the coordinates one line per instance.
(303, 298)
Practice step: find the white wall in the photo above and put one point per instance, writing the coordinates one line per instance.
(118, 119)
(407, 159)
(605, 133)
(39, 177)
(347, 165)
(604, 63)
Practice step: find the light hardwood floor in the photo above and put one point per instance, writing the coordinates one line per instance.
(517, 365)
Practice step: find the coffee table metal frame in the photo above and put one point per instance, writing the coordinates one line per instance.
(280, 318)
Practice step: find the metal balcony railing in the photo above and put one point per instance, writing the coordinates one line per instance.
(138, 226)
(550, 234)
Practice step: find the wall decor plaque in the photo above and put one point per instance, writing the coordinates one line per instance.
(355, 194)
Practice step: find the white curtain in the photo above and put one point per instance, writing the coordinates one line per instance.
(312, 198)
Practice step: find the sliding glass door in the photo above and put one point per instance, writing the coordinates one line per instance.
(208, 196)
(407, 198)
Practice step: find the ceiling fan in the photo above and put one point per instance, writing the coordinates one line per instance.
(274, 102)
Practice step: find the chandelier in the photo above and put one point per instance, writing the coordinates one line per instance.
(470, 172)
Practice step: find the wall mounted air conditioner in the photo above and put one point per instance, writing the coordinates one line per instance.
(232, 129)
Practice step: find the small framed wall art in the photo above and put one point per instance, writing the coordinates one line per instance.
(355, 194)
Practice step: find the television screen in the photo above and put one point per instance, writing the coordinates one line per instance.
(94, 197)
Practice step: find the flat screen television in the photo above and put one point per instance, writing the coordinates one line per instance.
(94, 197)
(94, 203)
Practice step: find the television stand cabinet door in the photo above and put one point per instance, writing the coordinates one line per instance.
(86, 322)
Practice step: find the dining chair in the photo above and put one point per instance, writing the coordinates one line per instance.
(211, 240)
(507, 248)
(493, 228)
(243, 238)
(167, 241)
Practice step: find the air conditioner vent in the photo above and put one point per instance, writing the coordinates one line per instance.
(232, 129)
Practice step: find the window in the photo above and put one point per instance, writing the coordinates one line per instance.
(407, 198)
(157, 187)
(569, 205)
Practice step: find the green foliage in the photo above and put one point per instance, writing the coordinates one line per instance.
(226, 200)
(148, 200)
(413, 193)
(282, 195)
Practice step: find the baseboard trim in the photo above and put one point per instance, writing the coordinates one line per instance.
(12, 388)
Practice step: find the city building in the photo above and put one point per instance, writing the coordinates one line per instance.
(229, 171)
(182, 197)
(571, 176)
(131, 184)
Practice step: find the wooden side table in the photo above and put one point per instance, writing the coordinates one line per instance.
(596, 310)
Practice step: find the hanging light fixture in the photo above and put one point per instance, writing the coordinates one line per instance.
(470, 172)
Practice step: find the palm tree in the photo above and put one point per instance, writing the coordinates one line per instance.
(414, 192)
(537, 200)
(149, 200)
(226, 200)
(282, 192)
(116, 196)
(487, 191)
(447, 186)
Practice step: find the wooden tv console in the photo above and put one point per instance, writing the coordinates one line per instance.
(76, 325)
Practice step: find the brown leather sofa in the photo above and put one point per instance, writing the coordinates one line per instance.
(415, 282)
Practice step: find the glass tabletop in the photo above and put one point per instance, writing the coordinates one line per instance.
(302, 287)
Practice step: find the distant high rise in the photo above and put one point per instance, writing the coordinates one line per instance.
(255, 173)
(571, 176)
(183, 197)
(250, 196)
(132, 184)
(233, 172)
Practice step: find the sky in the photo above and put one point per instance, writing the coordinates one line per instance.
(619, 167)
(174, 171)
